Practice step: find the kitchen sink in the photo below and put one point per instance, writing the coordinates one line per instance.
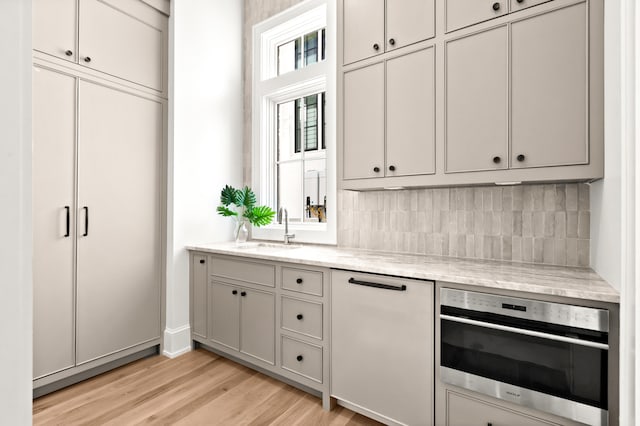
(268, 246)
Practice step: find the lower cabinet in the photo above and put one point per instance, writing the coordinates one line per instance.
(467, 411)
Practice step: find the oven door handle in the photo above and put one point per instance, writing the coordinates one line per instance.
(526, 332)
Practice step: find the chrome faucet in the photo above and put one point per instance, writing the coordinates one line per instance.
(287, 236)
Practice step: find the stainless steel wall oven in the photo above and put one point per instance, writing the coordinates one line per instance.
(547, 356)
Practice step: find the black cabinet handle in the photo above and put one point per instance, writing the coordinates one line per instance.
(392, 41)
(376, 169)
(234, 292)
(243, 293)
(202, 261)
(299, 280)
(378, 285)
(496, 160)
(87, 59)
(68, 221)
(376, 46)
(68, 53)
(496, 6)
(299, 316)
(520, 157)
(491, 424)
(86, 221)
(392, 168)
(299, 358)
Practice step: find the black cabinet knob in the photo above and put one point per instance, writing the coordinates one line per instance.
(489, 424)
(376, 46)
(392, 41)
(243, 293)
(376, 169)
(68, 53)
(234, 292)
(299, 316)
(496, 160)
(496, 6)
(520, 1)
(87, 59)
(299, 280)
(392, 168)
(202, 261)
(299, 358)
(520, 157)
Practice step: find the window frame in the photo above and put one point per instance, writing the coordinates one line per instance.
(269, 89)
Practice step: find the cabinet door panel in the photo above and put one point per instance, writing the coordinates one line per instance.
(121, 45)
(258, 325)
(55, 28)
(411, 114)
(462, 13)
(363, 28)
(549, 88)
(224, 315)
(364, 122)
(120, 151)
(199, 294)
(54, 141)
(476, 94)
(524, 4)
(409, 21)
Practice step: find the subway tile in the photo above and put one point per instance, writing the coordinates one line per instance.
(422, 247)
(549, 223)
(548, 250)
(444, 221)
(487, 247)
(470, 246)
(516, 227)
(549, 198)
(477, 198)
(453, 245)
(478, 246)
(517, 202)
(429, 221)
(538, 250)
(560, 252)
(507, 223)
(561, 224)
(478, 222)
(584, 223)
(404, 200)
(496, 248)
(537, 192)
(527, 224)
(507, 199)
(561, 198)
(413, 200)
(572, 224)
(516, 249)
(496, 199)
(487, 203)
(538, 224)
(527, 249)
(583, 197)
(507, 248)
(468, 199)
(572, 251)
(527, 198)
(571, 192)
(412, 237)
(425, 199)
(583, 252)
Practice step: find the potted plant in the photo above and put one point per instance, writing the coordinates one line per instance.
(244, 201)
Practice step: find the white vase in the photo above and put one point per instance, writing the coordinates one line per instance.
(241, 232)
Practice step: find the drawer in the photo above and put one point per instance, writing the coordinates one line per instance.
(308, 282)
(462, 13)
(302, 358)
(302, 317)
(243, 270)
(524, 4)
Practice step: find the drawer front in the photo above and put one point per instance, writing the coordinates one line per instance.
(302, 358)
(523, 4)
(462, 13)
(302, 317)
(308, 282)
(243, 270)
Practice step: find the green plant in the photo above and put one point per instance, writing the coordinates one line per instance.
(245, 201)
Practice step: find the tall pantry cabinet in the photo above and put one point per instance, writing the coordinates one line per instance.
(99, 125)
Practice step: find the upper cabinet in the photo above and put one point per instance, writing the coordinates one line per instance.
(125, 39)
(364, 23)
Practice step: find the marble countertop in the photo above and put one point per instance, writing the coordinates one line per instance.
(578, 283)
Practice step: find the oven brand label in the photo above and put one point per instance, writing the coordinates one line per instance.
(513, 394)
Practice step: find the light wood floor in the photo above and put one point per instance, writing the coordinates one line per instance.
(198, 388)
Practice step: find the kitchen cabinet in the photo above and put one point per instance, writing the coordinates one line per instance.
(462, 13)
(382, 346)
(372, 27)
(467, 411)
(97, 262)
(125, 39)
(389, 117)
(199, 282)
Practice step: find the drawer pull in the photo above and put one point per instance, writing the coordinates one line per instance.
(244, 293)
(68, 211)
(496, 6)
(392, 41)
(299, 316)
(299, 358)
(520, 157)
(497, 160)
(378, 285)
(299, 280)
(376, 47)
(68, 53)
(234, 292)
(202, 261)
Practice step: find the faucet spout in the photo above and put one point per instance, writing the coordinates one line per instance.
(283, 212)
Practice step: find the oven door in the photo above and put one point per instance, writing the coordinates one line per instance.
(555, 373)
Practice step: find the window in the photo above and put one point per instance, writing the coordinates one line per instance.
(293, 120)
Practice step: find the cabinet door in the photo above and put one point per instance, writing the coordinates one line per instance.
(54, 142)
(409, 21)
(363, 142)
(122, 45)
(463, 411)
(363, 29)
(549, 89)
(476, 96)
(258, 325)
(224, 315)
(119, 178)
(55, 29)
(462, 13)
(382, 346)
(411, 114)
(199, 279)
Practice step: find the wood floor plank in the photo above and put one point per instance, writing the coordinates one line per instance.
(198, 388)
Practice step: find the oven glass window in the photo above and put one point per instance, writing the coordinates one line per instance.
(565, 370)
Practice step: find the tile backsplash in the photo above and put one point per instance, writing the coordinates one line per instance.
(528, 223)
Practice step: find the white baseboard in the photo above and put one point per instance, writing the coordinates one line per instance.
(177, 341)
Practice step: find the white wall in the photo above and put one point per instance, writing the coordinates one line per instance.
(15, 213)
(205, 141)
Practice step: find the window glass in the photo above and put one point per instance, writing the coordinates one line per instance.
(301, 52)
